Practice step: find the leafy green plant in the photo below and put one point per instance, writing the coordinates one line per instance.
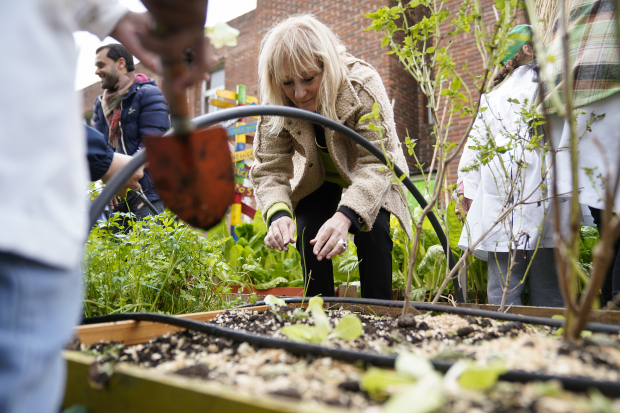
(415, 379)
(159, 264)
(349, 327)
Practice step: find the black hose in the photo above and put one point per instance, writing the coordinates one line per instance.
(147, 203)
(215, 117)
(569, 383)
(473, 312)
(114, 185)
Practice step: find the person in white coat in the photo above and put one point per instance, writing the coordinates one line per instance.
(513, 175)
(43, 177)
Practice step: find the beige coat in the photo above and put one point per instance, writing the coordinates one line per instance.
(289, 167)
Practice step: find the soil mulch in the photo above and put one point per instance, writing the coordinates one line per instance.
(449, 337)
(441, 337)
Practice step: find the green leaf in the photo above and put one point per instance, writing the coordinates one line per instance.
(245, 230)
(424, 397)
(349, 328)
(376, 380)
(476, 377)
(321, 322)
(273, 301)
(410, 365)
(235, 253)
(300, 333)
(434, 260)
(430, 49)
(259, 222)
(300, 314)
(455, 226)
(456, 84)
(221, 34)
(276, 282)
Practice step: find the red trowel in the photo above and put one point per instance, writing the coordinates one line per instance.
(191, 169)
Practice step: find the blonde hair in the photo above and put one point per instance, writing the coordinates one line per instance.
(296, 45)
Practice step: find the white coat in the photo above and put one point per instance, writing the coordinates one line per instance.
(43, 171)
(490, 185)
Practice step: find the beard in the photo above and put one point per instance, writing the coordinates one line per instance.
(109, 81)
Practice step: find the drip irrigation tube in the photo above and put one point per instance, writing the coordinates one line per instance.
(569, 383)
(215, 117)
(473, 312)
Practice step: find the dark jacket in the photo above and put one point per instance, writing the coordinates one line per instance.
(144, 111)
(99, 154)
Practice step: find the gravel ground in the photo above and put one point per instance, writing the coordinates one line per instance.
(310, 379)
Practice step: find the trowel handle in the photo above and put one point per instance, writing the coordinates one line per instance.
(173, 68)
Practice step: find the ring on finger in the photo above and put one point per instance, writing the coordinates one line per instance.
(343, 243)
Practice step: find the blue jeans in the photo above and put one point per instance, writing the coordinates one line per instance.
(39, 306)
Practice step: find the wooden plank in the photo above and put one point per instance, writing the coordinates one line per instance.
(221, 103)
(241, 129)
(608, 317)
(248, 210)
(244, 190)
(133, 389)
(242, 155)
(242, 172)
(227, 94)
(135, 332)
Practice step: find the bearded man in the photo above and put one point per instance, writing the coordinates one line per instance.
(131, 107)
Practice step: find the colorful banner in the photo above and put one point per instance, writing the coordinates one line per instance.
(242, 172)
(244, 190)
(242, 155)
(237, 130)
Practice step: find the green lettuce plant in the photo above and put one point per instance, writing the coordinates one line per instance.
(349, 327)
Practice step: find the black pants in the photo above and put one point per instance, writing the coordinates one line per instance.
(611, 286)
(374, 248)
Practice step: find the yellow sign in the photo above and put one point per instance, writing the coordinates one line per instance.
(242, 155)
(227, 94)
(221, 103)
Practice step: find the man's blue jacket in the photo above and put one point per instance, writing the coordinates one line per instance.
(144, 111)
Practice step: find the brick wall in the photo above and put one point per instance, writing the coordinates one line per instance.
(345, 17)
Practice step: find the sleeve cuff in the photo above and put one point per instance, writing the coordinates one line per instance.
(277, 207)
(100, 16)
(356, 220)
(279, 215)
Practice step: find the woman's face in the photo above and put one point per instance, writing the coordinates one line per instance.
(302, 91)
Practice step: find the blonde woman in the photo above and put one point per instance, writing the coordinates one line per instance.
(301, 169)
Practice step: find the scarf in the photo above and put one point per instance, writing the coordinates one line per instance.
(111, 101)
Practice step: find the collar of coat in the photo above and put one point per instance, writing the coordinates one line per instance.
(347, 104)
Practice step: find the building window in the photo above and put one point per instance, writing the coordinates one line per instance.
(209, 88)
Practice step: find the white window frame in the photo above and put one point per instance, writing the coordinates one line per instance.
(209, 93)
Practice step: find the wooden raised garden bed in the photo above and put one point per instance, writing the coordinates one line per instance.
(154, 389)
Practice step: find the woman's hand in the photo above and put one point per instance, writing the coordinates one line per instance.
(326, 242)
(463, 204)
(281, 233)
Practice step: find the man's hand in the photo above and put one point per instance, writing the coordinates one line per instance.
(185, 21)
(130, 30)
(118, 161)
(333, 230)
(281, 233)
